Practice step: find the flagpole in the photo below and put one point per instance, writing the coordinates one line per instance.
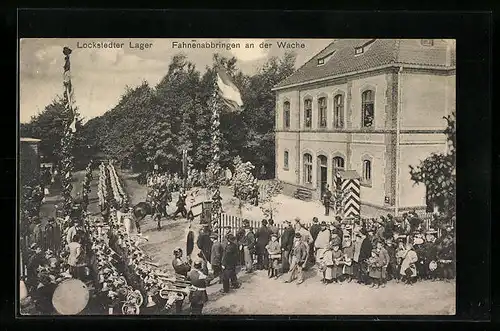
(67, 141)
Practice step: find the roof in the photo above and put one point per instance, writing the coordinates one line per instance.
(380, 52)
(30, 140)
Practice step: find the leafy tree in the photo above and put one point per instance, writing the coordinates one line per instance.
(49, 127)
(268, 192)
(437, 173)
(243, 183)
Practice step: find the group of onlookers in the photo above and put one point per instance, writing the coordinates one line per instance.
(369, 252)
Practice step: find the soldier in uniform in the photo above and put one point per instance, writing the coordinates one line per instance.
(198, 294)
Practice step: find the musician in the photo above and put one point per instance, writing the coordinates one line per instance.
(52, 237)
(35, 259)
(263, 236)
(36, 231)
(76, 258)
(181, 267)
(286, 246)
(273, 249)
(229, 261)
(73, 230)
(198, 294)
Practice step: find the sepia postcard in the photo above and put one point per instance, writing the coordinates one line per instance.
(237, 176)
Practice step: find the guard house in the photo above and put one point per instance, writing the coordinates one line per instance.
(375, 106)
(29, 161)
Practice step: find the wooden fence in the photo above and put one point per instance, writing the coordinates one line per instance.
(231, 224)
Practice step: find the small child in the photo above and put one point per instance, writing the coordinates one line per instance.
(326, 264)
(375, 268)
(337, 261)
(273, 249)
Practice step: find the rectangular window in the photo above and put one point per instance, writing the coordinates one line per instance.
(368, 110)
(322, 112)
(285, 160)
(308, 113)
(286, 115)
(367, 172)
(338, 111)
(307, 168)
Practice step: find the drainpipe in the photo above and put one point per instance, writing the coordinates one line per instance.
(299, 156)
(398, 139)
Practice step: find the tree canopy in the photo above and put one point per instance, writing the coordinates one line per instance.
(152, 125)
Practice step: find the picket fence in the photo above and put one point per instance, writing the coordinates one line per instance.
(231, 224)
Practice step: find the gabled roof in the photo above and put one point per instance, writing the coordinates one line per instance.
(380, 52)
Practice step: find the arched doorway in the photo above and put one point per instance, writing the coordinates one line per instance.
(322, 176)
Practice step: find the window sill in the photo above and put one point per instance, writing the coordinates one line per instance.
(286, 169)
(366, 184)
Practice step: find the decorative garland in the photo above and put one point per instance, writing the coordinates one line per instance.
(151, 281)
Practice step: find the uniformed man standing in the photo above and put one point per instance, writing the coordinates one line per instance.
(198, 295)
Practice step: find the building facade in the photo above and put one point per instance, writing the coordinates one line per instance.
(375, 106)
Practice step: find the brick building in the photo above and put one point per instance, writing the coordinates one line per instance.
(375, 106)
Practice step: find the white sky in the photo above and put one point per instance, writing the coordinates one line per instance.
(100, 76)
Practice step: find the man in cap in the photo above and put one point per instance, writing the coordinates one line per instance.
(362, 252)
(248, 244)
(198, 294)
(229, 261)
(263, 236)
(322, 241)
(380, 229)
(298, 259)
(181, 267)
(204, 243)
(216, 256)
(314, 231)
(286, 246)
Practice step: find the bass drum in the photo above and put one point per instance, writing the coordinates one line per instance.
(70, 297)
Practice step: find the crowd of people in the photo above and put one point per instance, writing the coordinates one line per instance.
(369, 252)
